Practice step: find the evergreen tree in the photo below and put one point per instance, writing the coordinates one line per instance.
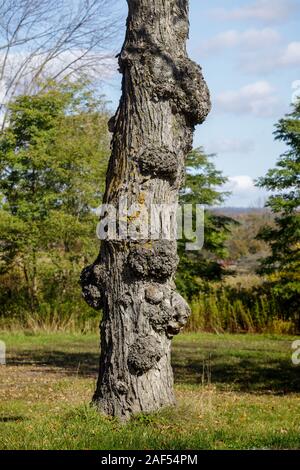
(283, 264)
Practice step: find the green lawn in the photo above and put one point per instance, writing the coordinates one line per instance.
(233, 391)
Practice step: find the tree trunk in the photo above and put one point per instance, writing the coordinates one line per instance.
(164, 96)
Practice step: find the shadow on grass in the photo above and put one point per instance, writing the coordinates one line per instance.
(11, 419)
(83, 364)
(254, 373)
(257, 373)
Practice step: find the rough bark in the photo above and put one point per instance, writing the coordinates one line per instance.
(164, 96)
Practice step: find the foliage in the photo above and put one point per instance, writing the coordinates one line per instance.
(53, 156)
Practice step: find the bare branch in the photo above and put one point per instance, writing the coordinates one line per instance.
(52, 39)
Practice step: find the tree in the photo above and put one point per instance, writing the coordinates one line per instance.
(201, 187)
(52, 39)
(53, 158)
(164, 97)
(243, 242)
(283, 264)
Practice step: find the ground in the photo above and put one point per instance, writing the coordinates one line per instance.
(233, 392)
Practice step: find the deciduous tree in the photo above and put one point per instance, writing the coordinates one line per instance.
(53, 158)
(164, 96)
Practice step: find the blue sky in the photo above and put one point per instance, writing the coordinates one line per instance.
(250, 54)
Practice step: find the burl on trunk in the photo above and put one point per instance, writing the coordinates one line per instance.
(164, 96)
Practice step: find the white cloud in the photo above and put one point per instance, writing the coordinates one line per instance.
(275, 60)
(267, 11)
(296, 91)
(231, 146)
(249, 39)
(240, 184)
(98, 65)
(257, 99)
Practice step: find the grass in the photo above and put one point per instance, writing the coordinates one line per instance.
(233, 392)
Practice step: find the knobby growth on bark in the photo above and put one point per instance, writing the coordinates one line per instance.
(164, 96)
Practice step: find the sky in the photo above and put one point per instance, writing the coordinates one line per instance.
(250, 55)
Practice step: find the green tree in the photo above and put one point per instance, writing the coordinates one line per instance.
(243, 245)
(283, 264)
(202, 187)
(53, 157)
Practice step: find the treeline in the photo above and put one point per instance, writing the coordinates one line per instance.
(53, 157)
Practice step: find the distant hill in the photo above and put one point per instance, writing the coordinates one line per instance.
(236, 211)
(244, 248)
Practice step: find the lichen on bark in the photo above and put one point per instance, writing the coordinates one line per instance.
(164, 96)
